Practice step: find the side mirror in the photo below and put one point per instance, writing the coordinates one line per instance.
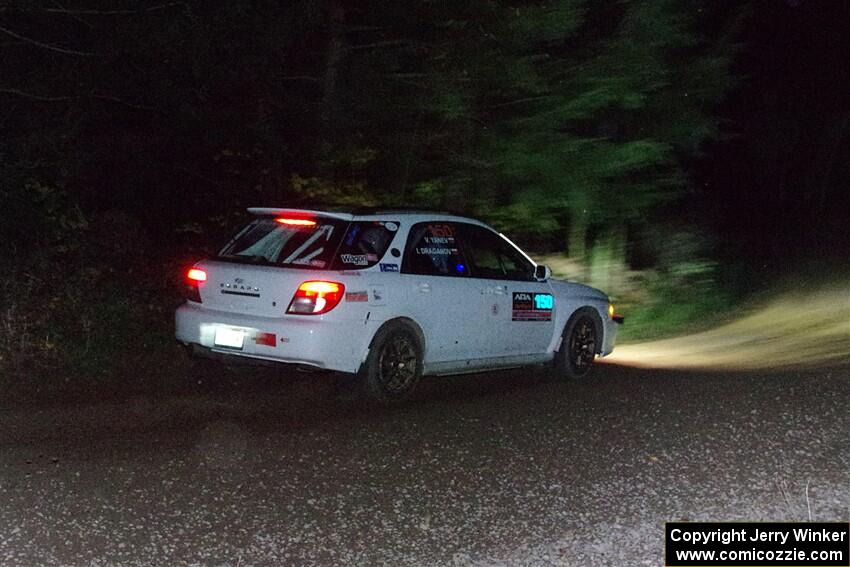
(542, 273)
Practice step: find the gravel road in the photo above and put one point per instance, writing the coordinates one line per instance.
(499, 469)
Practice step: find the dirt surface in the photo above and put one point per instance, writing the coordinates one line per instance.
(499, 469)
(796, 329)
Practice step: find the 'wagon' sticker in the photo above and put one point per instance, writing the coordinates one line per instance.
(530, 306)
(356, 259)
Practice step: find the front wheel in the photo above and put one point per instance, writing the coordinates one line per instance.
(579, 346)
(394, 365)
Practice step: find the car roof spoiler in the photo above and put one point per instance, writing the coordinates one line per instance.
(263, 211)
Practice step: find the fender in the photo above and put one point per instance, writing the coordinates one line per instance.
(406, 321)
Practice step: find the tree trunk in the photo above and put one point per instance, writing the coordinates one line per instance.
(608, 261)
(577, 237)
(333, 60)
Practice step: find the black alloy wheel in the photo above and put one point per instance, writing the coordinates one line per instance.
(394, 365)
(579, 345)
(397, 364)
(582, 345)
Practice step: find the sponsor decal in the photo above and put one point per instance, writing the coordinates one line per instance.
(441, 230)
(372, 257)
(355, 259)
(266, 339)
(530, 306)
(356, 296)
(318, 263)
(495, 309)
(350, 273)
(389, 267)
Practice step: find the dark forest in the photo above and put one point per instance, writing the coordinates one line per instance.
(689, 150)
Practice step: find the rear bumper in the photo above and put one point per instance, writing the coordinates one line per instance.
(308, 341)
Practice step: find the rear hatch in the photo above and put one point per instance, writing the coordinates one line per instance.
(260, 269)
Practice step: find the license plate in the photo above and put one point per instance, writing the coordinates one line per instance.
(231, 338)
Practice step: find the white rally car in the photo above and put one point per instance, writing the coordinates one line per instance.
(392, 295)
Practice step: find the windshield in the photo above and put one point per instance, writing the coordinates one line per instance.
(273, 241)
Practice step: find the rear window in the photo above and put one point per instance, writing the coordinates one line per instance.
(326, 244)
(265, 240)
(365, 243)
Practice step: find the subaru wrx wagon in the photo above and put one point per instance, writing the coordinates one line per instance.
(390, 296)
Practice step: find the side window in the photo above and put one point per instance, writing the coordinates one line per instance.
(433, 249)
(490, 256)
(364, 244)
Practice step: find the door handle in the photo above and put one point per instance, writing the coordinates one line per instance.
(500, 289)
(424, 287)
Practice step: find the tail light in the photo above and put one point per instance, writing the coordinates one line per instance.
(296, 222)
(316, 297)
(194, 279)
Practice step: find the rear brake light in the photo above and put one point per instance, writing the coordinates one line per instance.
(194, 279)
(296, 222)
(196, 275)
(316, 297)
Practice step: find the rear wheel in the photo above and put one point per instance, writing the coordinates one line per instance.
(394, 365)
(579, 346)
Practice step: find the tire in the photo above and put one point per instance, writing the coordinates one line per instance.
(393, 367)
(580, 343)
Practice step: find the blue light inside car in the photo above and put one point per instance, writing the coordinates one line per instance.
(460, 267)
(352, 234)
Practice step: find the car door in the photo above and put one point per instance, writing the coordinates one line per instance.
(520, 309)
(441, 298)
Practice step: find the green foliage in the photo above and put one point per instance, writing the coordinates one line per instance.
(36, 214)
(88, 315)
(668, 307)
(682, 293)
